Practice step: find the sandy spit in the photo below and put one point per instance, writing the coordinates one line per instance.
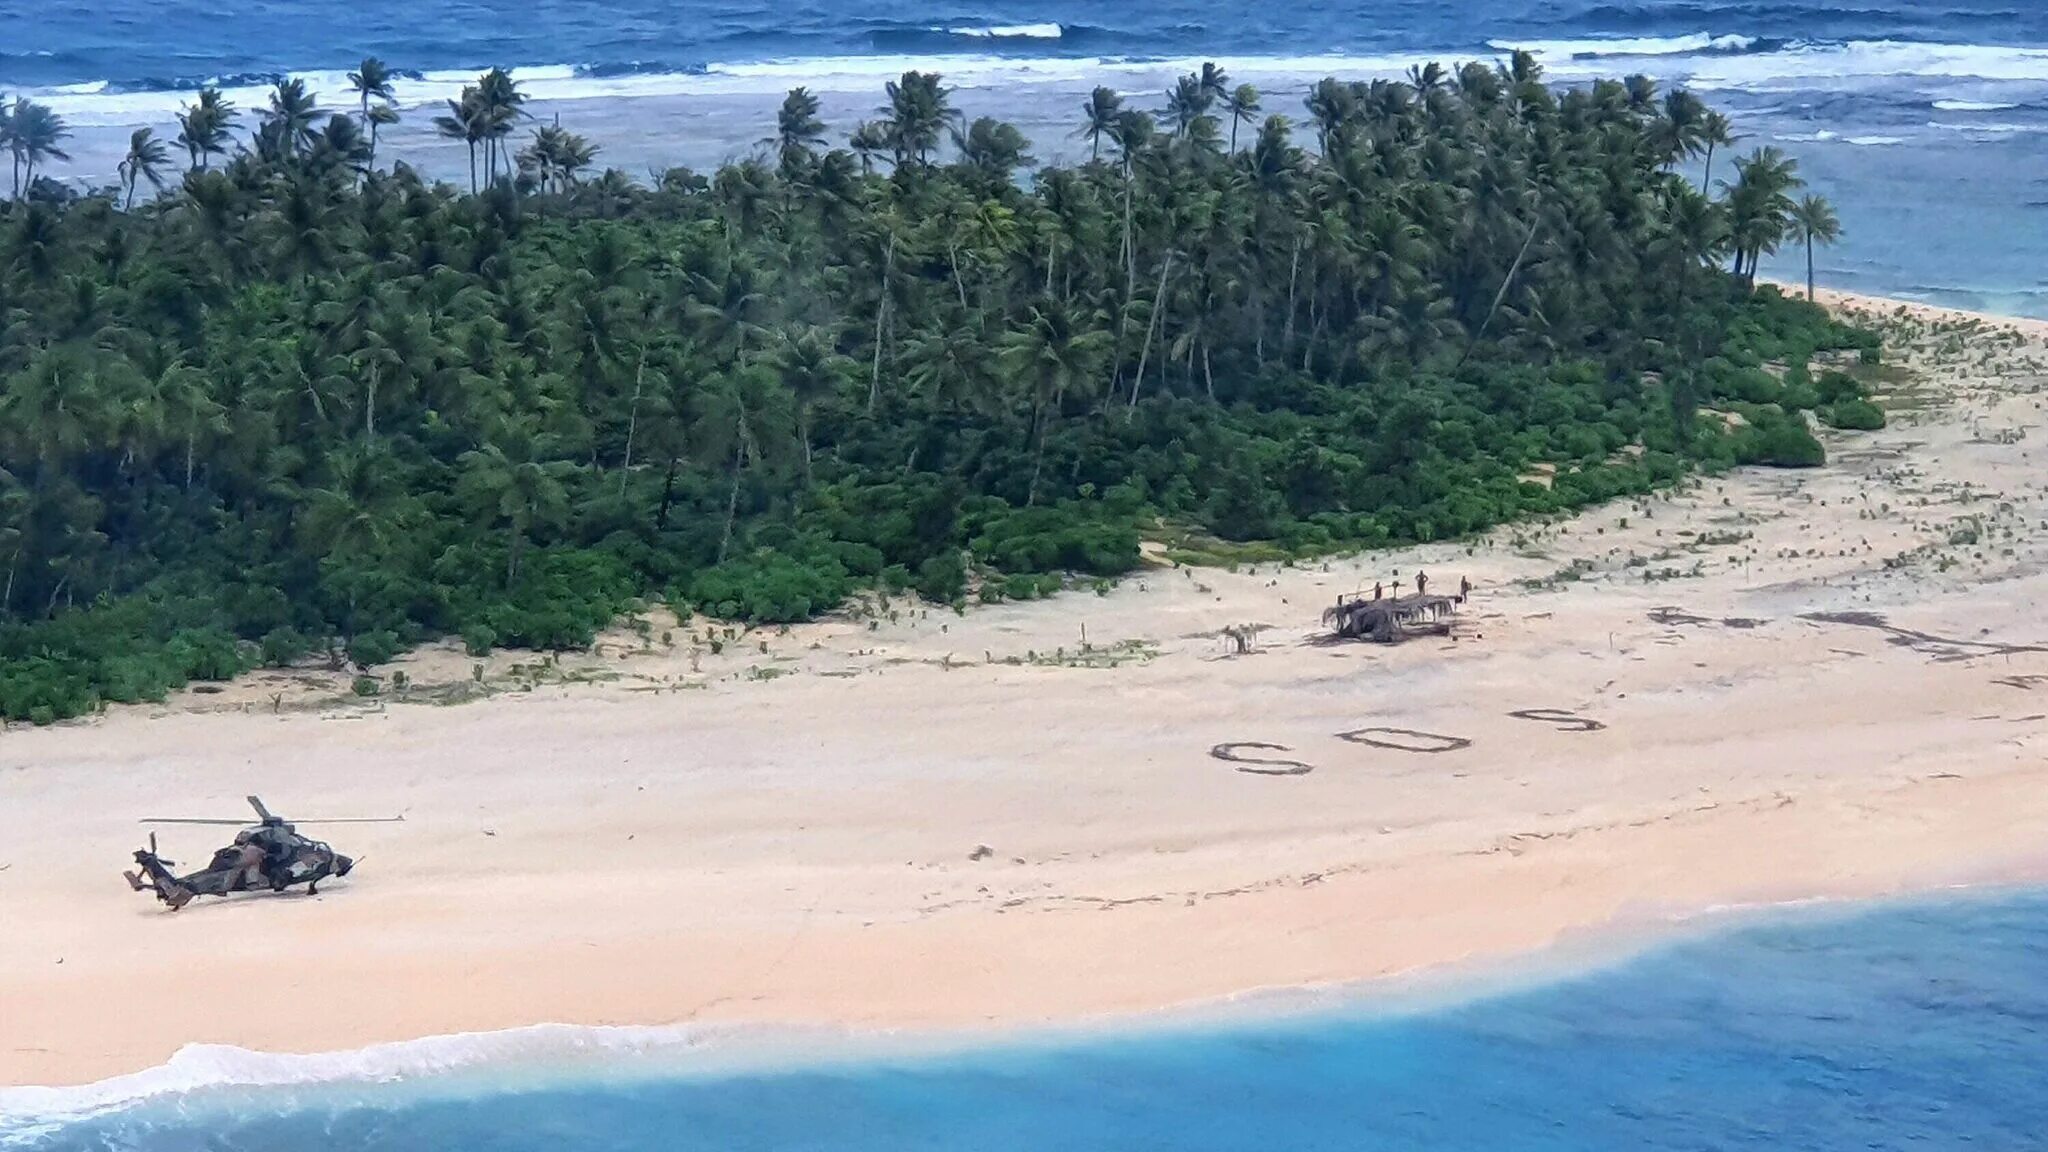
(1769, 686)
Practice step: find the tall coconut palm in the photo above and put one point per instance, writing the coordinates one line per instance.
(1814, 222)
(1243, 106)
(372, 81)
(204, 127)
(146, 160)
(1059, 353)
(798, 131)
(1186, 102)
(1714, 132)
(465, 120)
(555, 158)
(503, 104)
(288, 122)
(1760, 206)
(33, 134)
(1099, 118)
(916, 116)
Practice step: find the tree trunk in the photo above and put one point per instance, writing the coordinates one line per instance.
(633, 420)
(1145, 351)
(881, 315)
(732, 496)
(1293, 273)
(803, 431)
(1505, 283)
(1130, 252)
(953, 260)
(668, 496)
(370, 405)
(1037, 457)
(1809, 269)
(190, 437)
(1707, 175)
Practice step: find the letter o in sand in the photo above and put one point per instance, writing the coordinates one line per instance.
(1560, 719)
(1228, 752)
(1405, 740)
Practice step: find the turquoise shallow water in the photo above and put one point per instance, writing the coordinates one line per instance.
(1903, 1026)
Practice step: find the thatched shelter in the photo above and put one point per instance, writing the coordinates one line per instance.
(1390, 619)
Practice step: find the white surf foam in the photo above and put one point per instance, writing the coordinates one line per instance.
(1971, 106)
(28, 1113)
(1701, 61)
(1627, 46)
(1012, 32)
(1993, 129)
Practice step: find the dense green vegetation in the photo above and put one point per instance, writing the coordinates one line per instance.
(303, 402)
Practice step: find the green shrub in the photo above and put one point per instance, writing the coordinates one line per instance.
(479, 639)
(1784, 443)
(282, 647)
(365, 685)
(1834, 387)
(370, 649)
(770, 588)
(942, 578)
(1854, 414)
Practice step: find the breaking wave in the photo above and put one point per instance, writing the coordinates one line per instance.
(1011, 32)
(1628, 46)
(1971, 106)
(1703, 60)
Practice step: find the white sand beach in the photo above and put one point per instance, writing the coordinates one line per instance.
(1770, 685)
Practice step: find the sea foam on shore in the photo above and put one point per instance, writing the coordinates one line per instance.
(1856, 1026)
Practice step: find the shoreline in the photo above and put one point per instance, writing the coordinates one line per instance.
(734, 850)
(567, 1055)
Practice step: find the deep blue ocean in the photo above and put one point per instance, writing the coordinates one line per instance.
(1925, 120)
(1920, 1025)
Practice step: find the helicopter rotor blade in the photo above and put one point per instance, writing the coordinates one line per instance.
(248, 823)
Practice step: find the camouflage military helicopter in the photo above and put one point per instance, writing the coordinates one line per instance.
(270, 855)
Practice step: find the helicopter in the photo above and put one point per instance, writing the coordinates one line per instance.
(269, 854)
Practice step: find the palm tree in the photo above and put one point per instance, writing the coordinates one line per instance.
(556, 157)
(1058, 353)
(1214, 83)
(1243, 106)
(511, 482)
(870, 142)
(466, 121)
(33, 134)
(288, 122)
(916, 116)
(1814, 222)
(993, 147)
(1099, 118)
(146, 160)
(502, 104)
(1186, 103)
(812, 372)
(798, 131)
(1760, 206)
(203, 127)
(1714, 131)
(372, 81)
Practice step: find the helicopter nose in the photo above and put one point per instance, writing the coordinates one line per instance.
(342, 864)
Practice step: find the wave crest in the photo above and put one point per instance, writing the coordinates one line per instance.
(1011, 32)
